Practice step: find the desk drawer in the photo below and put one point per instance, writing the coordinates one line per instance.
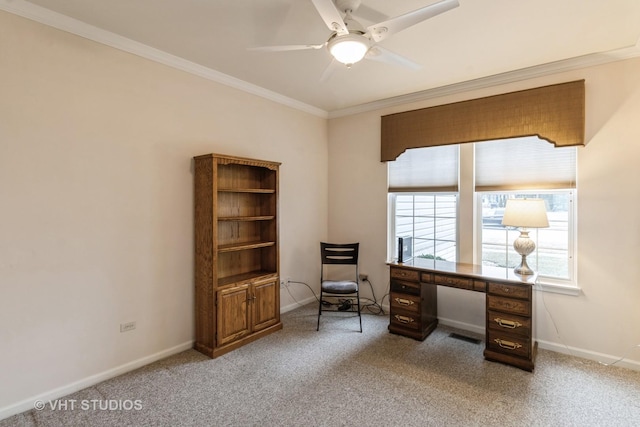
(511, 291)
(479, 285)
(406, 320)
(401, 273)
(508, 305)
(409, 303)
(426, 277)
(403, 287)
(509, 343)
(454, 282)
(509, 323)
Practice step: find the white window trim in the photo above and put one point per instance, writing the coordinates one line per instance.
(391, 227)
(557, 288)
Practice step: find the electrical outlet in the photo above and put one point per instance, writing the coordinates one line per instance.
(129, 326)
(363, 276)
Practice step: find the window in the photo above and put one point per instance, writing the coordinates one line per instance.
(429, 196)
(423, 185)
(553, 256)
(430, 219)
(533, 168)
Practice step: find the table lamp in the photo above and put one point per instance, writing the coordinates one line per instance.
(524, 214)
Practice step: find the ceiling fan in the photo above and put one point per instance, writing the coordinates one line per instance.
(350, 42)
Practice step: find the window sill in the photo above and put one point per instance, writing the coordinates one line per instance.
(558, 289)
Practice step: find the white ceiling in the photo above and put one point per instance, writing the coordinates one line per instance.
(479, 39)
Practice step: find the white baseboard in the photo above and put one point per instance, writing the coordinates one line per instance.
(605, 359)
(294, 305)
(461, 325)
(65, 390)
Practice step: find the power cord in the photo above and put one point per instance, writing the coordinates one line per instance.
(383, 297)
(553, 322)
(303, 283)
(624, 356)
(372, 306)
(341, 303)
(294, 298)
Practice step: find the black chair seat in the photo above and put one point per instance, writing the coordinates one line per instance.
(339, 286)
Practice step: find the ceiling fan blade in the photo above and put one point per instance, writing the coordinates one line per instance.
(328, 72)
(384, 29)
(369, 14)
(287, 47)
(331, 16)
(380, 54)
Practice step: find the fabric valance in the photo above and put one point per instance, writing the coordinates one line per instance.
(555, 113)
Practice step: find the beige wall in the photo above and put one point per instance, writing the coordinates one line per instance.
(602, 323)
(96, 206)
(96, 202)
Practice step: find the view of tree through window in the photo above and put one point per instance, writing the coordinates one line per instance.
(430, 219)
(552, 255)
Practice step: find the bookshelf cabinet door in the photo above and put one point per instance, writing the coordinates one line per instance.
(266, 309)
(234, 317)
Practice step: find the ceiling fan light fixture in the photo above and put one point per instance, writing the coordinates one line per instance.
(349, 48)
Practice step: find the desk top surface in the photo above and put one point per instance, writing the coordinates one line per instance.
(469, 270)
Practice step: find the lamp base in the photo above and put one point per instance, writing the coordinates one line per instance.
(523, 269)
(523, 245)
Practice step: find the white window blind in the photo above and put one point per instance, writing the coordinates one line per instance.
(523, 163)
(429, 169)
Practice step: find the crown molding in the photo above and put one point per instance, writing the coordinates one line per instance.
(550, 68)
(65, 23)
(62, 22)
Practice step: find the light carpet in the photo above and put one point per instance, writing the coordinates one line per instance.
(340, 377)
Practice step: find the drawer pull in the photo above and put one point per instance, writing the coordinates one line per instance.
(405, 302)
(509, 345)
(511, 324)
(403, 319)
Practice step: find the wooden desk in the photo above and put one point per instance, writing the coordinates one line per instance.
(509, 305)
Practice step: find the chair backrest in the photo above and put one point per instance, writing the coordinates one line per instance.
(339, 253)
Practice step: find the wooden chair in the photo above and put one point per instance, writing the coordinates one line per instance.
(343, 291)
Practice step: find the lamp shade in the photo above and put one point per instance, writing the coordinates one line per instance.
(528, 213)
(349, 48)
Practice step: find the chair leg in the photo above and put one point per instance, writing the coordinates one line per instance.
(319, 311)
(359, 314)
